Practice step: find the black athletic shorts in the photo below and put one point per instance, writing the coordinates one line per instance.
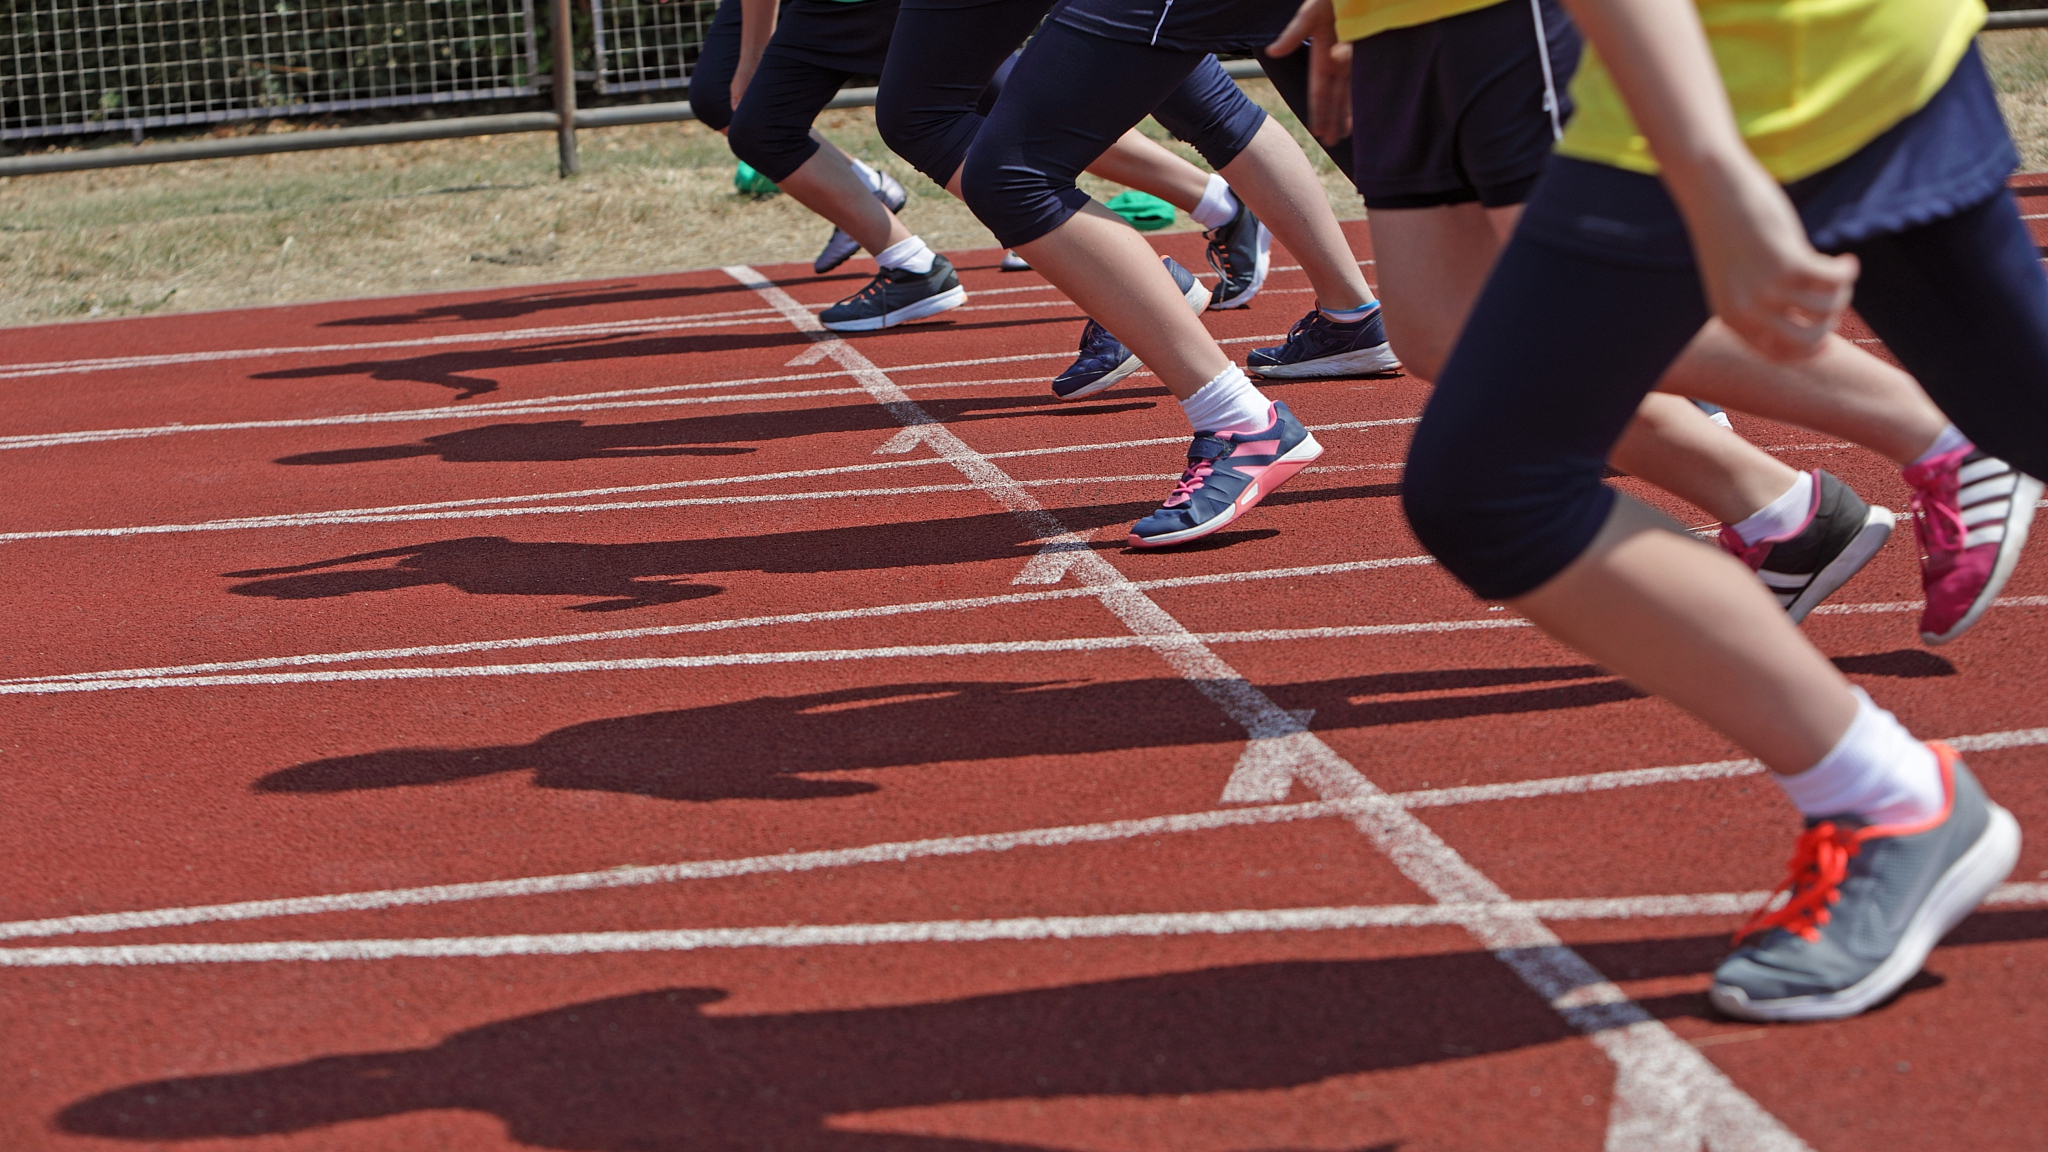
(1461, 109)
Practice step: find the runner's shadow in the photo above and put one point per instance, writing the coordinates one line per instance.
(687, 436)
(624, 576)
(513, 307)
(656, 1072)
(795, 747)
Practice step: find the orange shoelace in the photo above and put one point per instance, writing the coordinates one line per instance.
(1820, 862)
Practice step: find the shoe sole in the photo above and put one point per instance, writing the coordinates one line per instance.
(1367, 362)
(945, 301)
(2025, 495)
(1877, 528)
(1196, 298)
(1259, 270)
(1280, 472)
(1964, 886)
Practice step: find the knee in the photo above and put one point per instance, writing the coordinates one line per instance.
(711, 103)
(771, 146)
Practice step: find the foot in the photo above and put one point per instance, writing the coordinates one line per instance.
(1867, 903)
(1240, 252)
(1319, 348)
(1015, 263)
(897, 296)
(841, 247)
(1805, 566)
(1228, 474)
(1104, 360)
(1971, 512)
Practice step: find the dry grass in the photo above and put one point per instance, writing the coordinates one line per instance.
(458, 214)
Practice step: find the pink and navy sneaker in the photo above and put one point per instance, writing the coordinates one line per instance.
(1228, 474)
(1971, 512)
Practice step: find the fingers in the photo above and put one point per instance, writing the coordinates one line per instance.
(1307, 18)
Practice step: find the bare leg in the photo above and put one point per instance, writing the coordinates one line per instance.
(828, 185)
(1686, 622)
(1842, 391)
(1673, 445)
(1138, 161)
(1275, 178)
(1095, 258)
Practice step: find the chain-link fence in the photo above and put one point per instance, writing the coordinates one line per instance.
(131, 64)
(645, 45)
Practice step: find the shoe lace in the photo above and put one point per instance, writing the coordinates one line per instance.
(1202, 459)
(1218, 254)
(1937, 515)
(1820, 862)
(874, 289)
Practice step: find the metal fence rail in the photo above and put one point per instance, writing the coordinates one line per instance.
(70, 68)
(647, 45)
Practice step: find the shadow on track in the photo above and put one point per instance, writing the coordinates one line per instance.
(654, 1072)
(463, 370)
(623, 576)
(513, 307)
(691, 435)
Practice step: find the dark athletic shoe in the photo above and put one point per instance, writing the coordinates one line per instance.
(1240, 252)
(841, 247)
(1804, 567)
(1104, 359)
(1014, 263)
(896, 296)
(1867, 903)
(1319, 348)
(1227, 475)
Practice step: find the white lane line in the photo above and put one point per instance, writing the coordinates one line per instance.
(753, 659)
(1474, 916)
(819, 617)
(906, 850)
(489, 506)
(1665, 1090)
(565, 402)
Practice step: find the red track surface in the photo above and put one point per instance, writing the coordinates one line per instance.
(175, 786)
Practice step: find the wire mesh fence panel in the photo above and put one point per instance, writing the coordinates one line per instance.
(644, 45)
(130, 64)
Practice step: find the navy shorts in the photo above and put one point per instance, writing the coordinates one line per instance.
(1182, 25)
(818, 46)
(1597, 293)
(1461, 109)
(1057, 115)
(718, 57)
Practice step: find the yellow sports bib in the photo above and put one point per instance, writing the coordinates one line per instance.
(1357, 19)
(1811, 81)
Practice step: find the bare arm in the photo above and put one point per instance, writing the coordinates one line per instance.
(1329, 68)
(1762, 276)
(757, 25)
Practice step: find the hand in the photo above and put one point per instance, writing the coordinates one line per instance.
(742, 73)
(1762, 277)
(1329, 69)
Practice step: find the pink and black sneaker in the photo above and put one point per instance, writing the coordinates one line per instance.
(1971, 512)
(1228, 473)
(1804, 566)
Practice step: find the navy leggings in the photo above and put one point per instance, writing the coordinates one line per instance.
(1072, 94)
(1504, 474)
(818, 46)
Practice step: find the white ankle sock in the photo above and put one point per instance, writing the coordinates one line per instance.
(1349, 315)
(1781, 517)
(1218, 207)
(910, 255)
(1951, 438)
(1229, 403)
(867, 174)
(1877, 772)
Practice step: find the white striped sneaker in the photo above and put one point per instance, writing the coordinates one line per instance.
(1971, 512)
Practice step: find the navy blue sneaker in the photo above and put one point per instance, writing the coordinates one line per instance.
(1104, 359)
(1319, 348)
(1240, 252)
(1227, 476)
(897, 296)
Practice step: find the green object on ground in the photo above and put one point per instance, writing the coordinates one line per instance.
(752, 183)
(1147, 213)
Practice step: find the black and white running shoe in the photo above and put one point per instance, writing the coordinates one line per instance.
(1014, 263)
(897, 296)
(841, 247)
(1805, 566)
(1240, 252)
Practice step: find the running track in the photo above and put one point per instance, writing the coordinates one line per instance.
(612, 716)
